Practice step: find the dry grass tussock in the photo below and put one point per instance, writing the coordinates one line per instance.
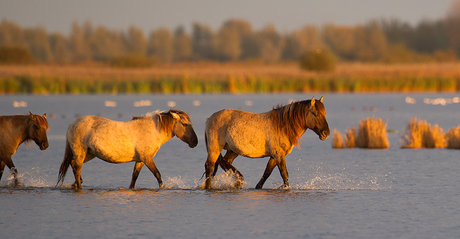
(453, 138)
(372, 134)
(350, 137)
(420, 134)
(337, 140)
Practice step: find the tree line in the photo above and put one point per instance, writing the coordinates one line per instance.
(391, 41)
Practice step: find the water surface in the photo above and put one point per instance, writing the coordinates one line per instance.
(347, 193)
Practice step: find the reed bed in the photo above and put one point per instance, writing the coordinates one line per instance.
(420, 134)
(208, 77)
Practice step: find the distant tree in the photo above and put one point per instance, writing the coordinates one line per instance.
(106, 44)
(38, 43)
(453, 27)
(341, 40)
(11, 54)
(370, 43)
(161, 45)
(11, 34)
(136, 41)
(397, 32)
(202, 42)
(429, 36)
(358, 43)
(79, 45)
(230, 38)
(271, 44)
(182, 45)
(298, 42)
(60, 48)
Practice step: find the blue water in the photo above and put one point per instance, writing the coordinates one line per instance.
(346, 193)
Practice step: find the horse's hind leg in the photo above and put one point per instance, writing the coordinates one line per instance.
(209, 166)
(226, 163)
(76, 168)
(153, 168)
(268, 170)
(137, 169)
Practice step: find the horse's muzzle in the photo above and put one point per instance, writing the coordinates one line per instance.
(193, 144)
(44, 146)
(324, 135)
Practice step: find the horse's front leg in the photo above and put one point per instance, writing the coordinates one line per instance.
(137, 169)
(283, 171)
(268, 170)
(9, 162)
(153, 168)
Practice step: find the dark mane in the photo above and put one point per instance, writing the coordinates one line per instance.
(165, 120)
(41, 122)
(292, 118)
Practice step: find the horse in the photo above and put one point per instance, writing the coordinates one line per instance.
(136, 140)
(17, 129)
(256, 135)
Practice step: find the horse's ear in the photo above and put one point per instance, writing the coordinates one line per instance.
(32, 116)
(312, 102)
(44, 115)
(321, 100)
(174, 115)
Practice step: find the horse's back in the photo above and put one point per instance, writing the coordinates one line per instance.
(245, 133)
(112, 141)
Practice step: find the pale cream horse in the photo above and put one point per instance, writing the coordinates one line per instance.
(137, 140)
(271, 134)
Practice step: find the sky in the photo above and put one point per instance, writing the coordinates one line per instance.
(285, 15)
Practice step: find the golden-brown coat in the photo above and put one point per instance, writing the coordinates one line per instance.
(258, 135)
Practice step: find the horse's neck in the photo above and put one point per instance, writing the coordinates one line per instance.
(161, 135)
(19, 130)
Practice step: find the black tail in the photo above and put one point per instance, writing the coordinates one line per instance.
(68, 156)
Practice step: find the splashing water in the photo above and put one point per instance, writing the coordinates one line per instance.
(225, 181)
(340, 181)
(174, 183)
(26, 179)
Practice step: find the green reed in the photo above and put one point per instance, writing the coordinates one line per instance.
(230, 84)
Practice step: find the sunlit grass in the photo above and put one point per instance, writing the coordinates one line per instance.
(420, 134)
(372, 134)
(453, 138)
(337, 140)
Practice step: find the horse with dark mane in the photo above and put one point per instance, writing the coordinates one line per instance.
(137, 140)
(17, 129)
(271, 134)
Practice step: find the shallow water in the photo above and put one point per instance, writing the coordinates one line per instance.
(347, 193)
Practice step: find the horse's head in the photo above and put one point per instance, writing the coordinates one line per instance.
(316, 118)
(183, 128)
(37, 130)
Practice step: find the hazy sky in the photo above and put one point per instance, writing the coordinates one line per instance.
(286, 15)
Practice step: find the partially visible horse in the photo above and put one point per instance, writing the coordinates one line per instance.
(271, 134)
(137, 140)
(16, 129)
